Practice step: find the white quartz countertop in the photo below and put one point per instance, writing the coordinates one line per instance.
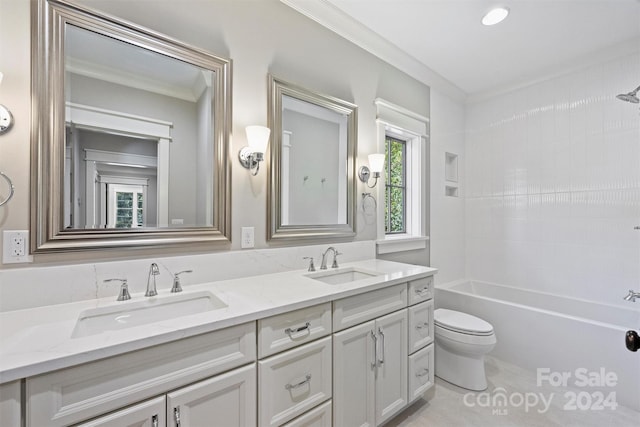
(38, 340)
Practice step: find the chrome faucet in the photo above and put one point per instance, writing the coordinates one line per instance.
(632, 296)
(151, 284)
(311, 266)
(176, 281)
(123, 294)
(323, 264)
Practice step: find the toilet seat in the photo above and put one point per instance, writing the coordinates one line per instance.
(461, 323)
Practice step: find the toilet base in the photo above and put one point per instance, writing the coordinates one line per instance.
(466, 371)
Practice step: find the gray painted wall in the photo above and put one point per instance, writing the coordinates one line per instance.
(260, 37)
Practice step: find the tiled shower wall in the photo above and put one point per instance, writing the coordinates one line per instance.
(553, 185)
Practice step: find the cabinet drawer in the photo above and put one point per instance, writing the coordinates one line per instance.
(361, 308)
(421, 372)
(150, 413)
(285, 331)
(420, 325)
(317, 417)
(293, 382)
(75, 394)
(420, 290)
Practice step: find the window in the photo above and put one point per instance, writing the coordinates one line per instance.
(126, 207)
(403, 135)
(395, 185)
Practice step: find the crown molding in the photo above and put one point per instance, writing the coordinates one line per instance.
(331, 17)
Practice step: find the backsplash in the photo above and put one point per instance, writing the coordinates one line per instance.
(47, 285)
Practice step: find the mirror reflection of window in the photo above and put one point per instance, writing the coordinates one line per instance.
(126, 206)
(117, 89)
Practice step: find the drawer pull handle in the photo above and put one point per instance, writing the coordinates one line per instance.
(422, 373)
(176, 415)
(154, 420)
(422, 325)
(306, 379)
(291, 331)
(422, 291)
(374, 337)
(381, 333)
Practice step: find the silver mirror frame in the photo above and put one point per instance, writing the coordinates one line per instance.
(48, 132)
(276, 231)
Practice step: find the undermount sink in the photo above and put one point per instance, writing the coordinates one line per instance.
(342, 275)
(129, 314)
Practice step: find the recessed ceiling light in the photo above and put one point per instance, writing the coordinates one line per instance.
(495, 15)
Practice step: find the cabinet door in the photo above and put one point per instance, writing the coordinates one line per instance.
(10, 405)
(391, 373)
(226, 400)
(354, 376)
(150, 413)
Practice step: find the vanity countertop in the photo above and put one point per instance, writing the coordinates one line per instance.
(38, 340)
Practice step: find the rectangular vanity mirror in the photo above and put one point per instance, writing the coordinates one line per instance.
(130, 135)
(311, 192)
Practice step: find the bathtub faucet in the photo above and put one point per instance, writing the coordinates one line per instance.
(632, 296)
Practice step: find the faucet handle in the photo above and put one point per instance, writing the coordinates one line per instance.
(123, 294)
(311, 266)
(335, 259)
(176, 281)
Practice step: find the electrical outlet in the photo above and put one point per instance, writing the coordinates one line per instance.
(15, 247)
(247, 238)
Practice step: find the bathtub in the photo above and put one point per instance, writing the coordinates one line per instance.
(564, 335)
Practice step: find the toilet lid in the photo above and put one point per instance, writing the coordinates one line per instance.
(461, 322)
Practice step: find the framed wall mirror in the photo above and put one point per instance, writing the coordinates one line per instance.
(313, 149)
(130, 134)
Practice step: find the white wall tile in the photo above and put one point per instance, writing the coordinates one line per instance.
(564, 172)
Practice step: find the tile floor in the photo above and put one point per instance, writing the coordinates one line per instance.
(445, 405)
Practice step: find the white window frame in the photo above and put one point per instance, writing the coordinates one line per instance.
(112, 214)
(406, 125)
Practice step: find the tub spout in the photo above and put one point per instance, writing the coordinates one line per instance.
(632, 296)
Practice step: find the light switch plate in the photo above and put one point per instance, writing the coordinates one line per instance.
(15, 247)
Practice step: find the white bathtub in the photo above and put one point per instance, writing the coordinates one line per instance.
(540, 330)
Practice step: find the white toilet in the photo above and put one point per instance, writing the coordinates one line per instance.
(462, 341)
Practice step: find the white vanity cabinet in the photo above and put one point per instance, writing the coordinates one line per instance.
(229, 397)
(226, 400)
(385, 361)
(370, 360)
(86, 391)
(10, 404)
(293, 382)
(421, 336)
(150, 413)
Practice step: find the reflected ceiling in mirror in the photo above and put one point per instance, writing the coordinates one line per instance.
(312, 164)
(132, 133)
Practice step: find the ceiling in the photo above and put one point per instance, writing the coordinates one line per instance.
(538, 38)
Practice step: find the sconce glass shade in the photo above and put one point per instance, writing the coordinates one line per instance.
(258, 138)
(376, 162)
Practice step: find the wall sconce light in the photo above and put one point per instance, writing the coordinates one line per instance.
(251, 156)
(376, 163)
(6, 119)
